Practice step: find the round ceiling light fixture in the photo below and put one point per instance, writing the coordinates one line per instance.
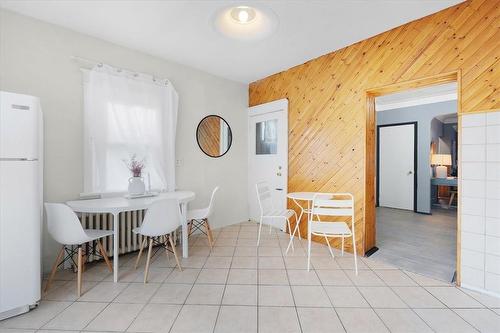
(246, 23)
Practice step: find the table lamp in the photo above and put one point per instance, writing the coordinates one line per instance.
(441, 161)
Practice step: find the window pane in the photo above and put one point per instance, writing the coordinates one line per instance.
(266, 138)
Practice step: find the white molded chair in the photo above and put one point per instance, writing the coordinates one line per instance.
(337, 205)
(268, 210)
(65, 227)
(162, 218)
(198, 218)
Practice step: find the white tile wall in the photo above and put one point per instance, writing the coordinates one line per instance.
(492, 189)
(492, 264)
(480, 200)
(492, 282)
(473, 223)
(473, 259)
(492, 227)
(492, 245)
(473, 277)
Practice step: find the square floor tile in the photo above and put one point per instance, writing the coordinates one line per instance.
(174, 293)
(364, 278)
(196, 318)
(222, 251)
(137, 293)
(381, 297)
(271, 263)
(213, 275)
(403, 320)
(155, 318)
(275, 296)
(395, 277)
(347, 262)
(245, 251)
(116, 317)
(37, 317)
(269, 252)
(334, 277)
(66, 291)
(444, 320)
(295, 262)
(314, 320)
(76, 316)
(244, 262)
(487, 300)
(346, 297)
(324, 263)
(310, 296)
(241, 319)
(278, 319)
(205, 294)
(242, 276)
(240, 295)
(303, 277)
(103, 292)
(218, 262)
(188, 275)
(426, 281)
(484, 320)
(417, 297)
(361, 321)
(453, 297)
(273, 277)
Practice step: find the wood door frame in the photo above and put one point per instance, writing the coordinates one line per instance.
(369, 227)
(415, 161)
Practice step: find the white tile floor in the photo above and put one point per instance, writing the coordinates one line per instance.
(236, 287)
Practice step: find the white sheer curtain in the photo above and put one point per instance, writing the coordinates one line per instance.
(128, 114)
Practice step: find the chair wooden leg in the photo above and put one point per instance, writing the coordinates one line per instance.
(54, 269)
(148, 260)
(175, 253)
(79, 272)
(343, 245)
(190, 227)
(104, 255)
(207, 230)
(144, 239)
(210, 231)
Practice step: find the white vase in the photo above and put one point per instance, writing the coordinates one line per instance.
(136, 186)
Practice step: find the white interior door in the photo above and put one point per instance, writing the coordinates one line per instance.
(268, 152)
(396, 168)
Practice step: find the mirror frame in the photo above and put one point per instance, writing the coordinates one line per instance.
(230, 131)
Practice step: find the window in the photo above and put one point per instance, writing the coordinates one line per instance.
(266, 138)
(127, 114)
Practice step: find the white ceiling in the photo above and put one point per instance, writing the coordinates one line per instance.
(420, 96)
(183, 31)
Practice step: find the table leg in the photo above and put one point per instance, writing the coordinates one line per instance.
(296, 229)
(184, 230)
(116, 231)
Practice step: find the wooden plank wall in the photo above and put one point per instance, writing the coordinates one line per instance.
(208, 134)
(327, 95)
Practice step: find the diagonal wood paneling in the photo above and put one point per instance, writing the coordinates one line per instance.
(327, 95)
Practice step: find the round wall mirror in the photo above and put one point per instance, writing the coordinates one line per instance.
(214, 136)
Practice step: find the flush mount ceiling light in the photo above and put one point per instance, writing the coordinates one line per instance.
(245, 23)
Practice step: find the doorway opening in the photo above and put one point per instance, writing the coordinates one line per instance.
(414, 151)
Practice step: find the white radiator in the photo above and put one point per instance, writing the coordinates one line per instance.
(129, 241)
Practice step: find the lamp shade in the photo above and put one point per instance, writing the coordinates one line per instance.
(441, 159)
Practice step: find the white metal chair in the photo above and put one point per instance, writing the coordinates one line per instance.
(65, 227)
(198, 218)
(268, 210)
(335, 206)
(161, 220)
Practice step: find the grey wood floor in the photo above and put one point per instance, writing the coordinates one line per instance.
(419, 243)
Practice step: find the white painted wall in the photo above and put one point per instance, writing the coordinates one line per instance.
(479, 176)
(35, 60)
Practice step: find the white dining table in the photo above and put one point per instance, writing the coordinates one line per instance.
(298, 197)
(117, 205)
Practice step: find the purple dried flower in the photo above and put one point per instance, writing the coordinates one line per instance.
(135, 166)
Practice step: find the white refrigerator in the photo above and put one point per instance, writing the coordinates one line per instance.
(20, 203)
